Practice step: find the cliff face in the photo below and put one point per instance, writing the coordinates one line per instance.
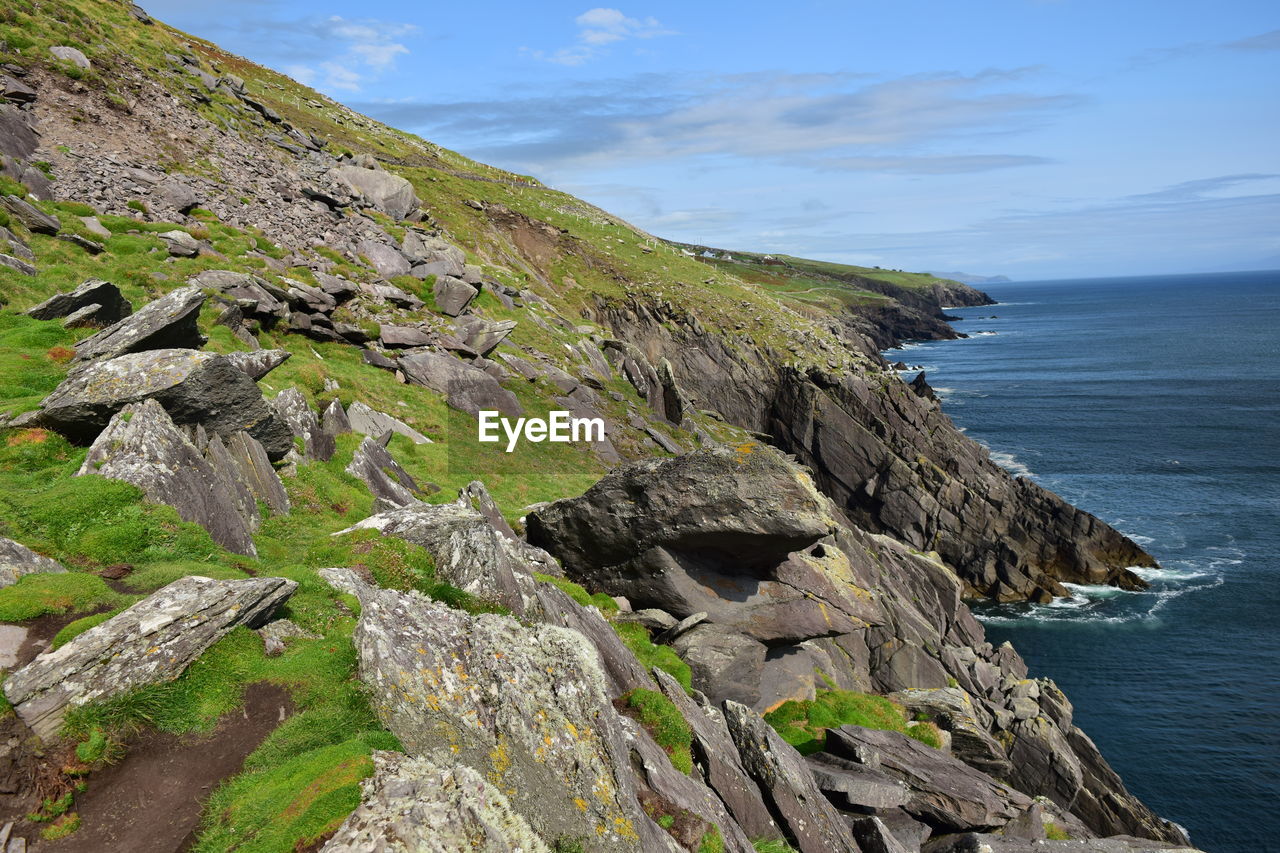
(273, 321)
(894, 463)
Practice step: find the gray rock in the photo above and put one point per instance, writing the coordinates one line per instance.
(399, 337)
(18, 560)
(291, 407)
(333, 420)
(17, 265)
(366, 421)
(70, 54)
(781, 772)
(258, 363)
(177, 193)
(945, 793)
(954, 712)
(112, 306)
(482, 335)
(194, 387)
(20, 93)
(653, 619)
(337, 286)
(374, 466)
(385, 259)
(255, 295)
(35, 221)
(972, 842)
(314, 298)
(532, 714)
(153, 641)
(433, 255)
(253, 469)
(453, 295)
(465, 387)
(96, 228)
(391, 194)
(86, 318)
(394, 295)
(142, 447)
(180, 244)
(415, 804)
(167, 322)
(88, 245)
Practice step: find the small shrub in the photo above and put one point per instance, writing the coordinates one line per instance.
(61, 828)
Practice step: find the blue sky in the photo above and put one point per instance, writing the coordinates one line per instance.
(1032, 138)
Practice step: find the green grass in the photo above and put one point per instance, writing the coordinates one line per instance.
(61, 828)
(636, 638)
(1054, 832)
(768, 845)
(712, 841)
(37, 595)
(804, 724)
(603, 601)
(663, 720)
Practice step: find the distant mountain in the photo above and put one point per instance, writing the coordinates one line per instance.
(970, 278)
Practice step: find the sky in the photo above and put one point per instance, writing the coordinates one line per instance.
(1029, 138)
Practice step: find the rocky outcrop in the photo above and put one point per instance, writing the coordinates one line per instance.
(374, 466)
(18, 560)
(292, 408)
(193, 387)
(141, 446)
(391, 194)
(168, 322)
(367, 421)
(415, 804)
(525, 707)
(258, 363)
(153, 641)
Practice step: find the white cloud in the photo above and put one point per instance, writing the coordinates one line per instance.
(598, 28)
(359, 51)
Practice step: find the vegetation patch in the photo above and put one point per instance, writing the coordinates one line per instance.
(662, 719)
(636, 638)
(603, 601)
(804, 724)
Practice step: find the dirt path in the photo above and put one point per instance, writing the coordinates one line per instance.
(151, 801)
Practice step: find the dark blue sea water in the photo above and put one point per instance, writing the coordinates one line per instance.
(1154, 403)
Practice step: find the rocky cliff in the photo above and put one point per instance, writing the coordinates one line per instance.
(263, 589)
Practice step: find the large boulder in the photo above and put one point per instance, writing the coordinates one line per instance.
(465, 387)
(258, 363)
(194, 387)
(252, 294)
(17, 560)
(34, 219)
(153, 641)
(526, 707)
(415, 804)
(747, 506)
(368, 421)
(453, 295)
(168, 322)
(373, 465)
(113, 307)
(433, 256)
(391, 194)
(387, 260)
(292, 408)
(141, 446)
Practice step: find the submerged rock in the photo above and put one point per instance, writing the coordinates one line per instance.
(153, 641)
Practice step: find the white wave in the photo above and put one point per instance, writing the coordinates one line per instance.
(985, 333)
(1010, 463)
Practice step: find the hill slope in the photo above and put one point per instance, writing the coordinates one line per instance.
(323, 306)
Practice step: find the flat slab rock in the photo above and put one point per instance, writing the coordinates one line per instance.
(415, 804)
(194, 387)
(153, 641)
(17, 560)
(170, 321)
(113, 307)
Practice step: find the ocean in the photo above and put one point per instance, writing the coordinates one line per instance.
(1154, 403)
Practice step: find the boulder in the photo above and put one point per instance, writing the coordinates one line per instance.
(35, 220)
(374, 466)
(811, 821)
(17, 265)
(391, 194)
(17, 560)
(252, 468)
(336, 286)
(482, 335)
(400, 337)
(112, 306)
(194, 387)
(258, 363)
(954, 712)
(453, 295)
(415, 804)
(254, 295)
(385, 259)
(177, 193)
(531, 714)
(333, 420)
(975, 842)
(366, 421)
(180, 244)
(433, 256)
(167, 322)
(465, 387)
(153, 641)
(142, 447)
(70, 54)
(89, 317)
(291, 407)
